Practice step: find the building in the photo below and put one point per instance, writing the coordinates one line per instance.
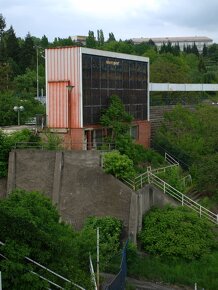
(79, 83)
(79, 39)
(200, 41)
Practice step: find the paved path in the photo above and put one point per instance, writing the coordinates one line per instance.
(145, 285)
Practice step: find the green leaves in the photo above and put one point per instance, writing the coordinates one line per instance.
(118, 165)
(176, 232)
(192, 136)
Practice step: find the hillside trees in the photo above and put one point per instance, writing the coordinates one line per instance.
(192, 136)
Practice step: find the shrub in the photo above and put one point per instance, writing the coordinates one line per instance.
(110, 230)
(176, 232)
(173, 176)
(118, 165)
(7, 142)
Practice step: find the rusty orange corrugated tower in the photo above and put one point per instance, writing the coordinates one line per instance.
(79, 82)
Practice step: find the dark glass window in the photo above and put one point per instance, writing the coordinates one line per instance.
(105, 76)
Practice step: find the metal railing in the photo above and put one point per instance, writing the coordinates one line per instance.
(170, 159)
(63, 145)
(50, 271)
(139, 181)
(182, 198)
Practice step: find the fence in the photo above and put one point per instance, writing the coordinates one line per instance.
(63, 145)
(183, 199)
(119, 281)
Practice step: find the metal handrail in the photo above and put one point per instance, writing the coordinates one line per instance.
(50, 271)
(140, 180)
(182, 198)
(170, 159)
(66, 145)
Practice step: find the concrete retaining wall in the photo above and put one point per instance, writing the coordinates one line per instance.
(75, 182)
(77, 185)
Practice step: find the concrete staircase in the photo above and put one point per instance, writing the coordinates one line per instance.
(195, 195)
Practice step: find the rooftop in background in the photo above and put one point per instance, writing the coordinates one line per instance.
(182, 41)
(79, 38)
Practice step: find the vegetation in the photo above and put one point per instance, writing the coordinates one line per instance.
(18, 61)
(180, 248)
(30, 226)
(176, 232)
(192, 136)
(7, 142)
(174, 176)
(118, 165)
(118, 122)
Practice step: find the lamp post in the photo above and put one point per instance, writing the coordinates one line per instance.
(18, 109)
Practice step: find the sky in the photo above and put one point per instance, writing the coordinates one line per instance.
(125, 18)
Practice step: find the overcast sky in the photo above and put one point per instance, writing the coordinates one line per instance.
(125, 18)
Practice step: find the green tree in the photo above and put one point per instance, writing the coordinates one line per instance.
(111, 37)
(116, 118)
(100, 37)
(28, 53)
(204, 52)
(44, 41)
(2, 27)
(30, 225)
(12, 45)
(90, 40)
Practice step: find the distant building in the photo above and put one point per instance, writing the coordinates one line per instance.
(79, 83)
(79, 39)
(182, 41)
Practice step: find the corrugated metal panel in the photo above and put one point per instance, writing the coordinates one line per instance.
(63, 68)
(58, 105)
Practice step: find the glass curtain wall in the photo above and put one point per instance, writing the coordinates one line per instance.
(105, 76)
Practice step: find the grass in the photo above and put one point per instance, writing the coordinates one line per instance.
(204, 271)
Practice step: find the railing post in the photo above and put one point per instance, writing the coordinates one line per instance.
(182, 199)
(164, 187)
(0, 280)
(141, 181)
(200, 211)
(217, 218)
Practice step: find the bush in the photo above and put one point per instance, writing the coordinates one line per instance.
(173, 176)
(52, 142)
(7, 142)
(118, 165)
(110, 230)
(176, 232)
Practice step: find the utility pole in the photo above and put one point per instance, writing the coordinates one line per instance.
(37, 72)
